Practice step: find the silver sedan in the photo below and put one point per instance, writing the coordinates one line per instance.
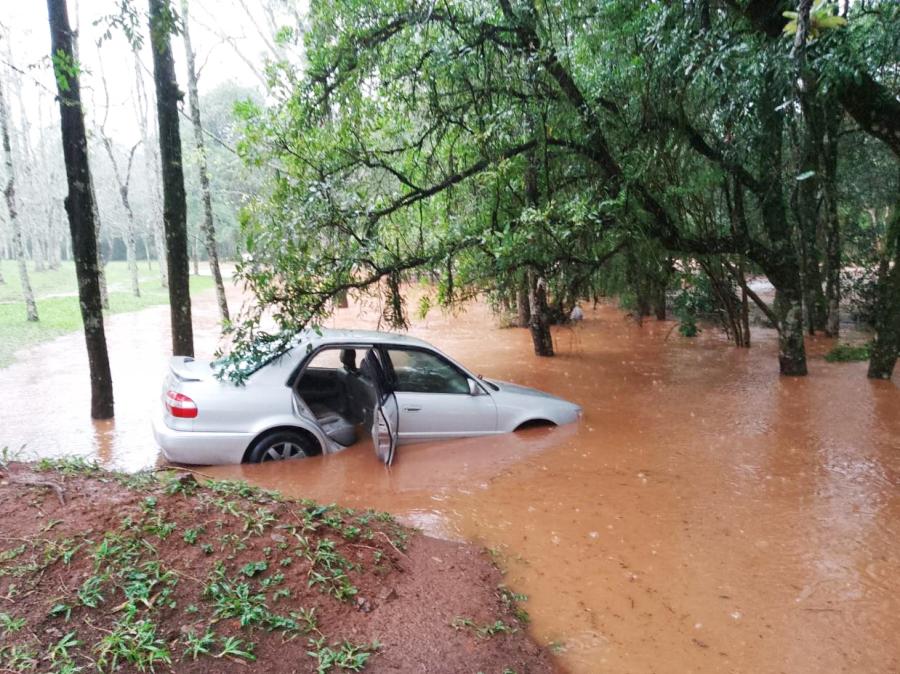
(331, 387)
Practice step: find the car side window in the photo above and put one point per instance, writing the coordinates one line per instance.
(422, 372)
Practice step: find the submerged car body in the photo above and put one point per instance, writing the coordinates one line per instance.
(317, 396)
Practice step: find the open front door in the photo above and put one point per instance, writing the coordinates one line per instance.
(386, 415)
(384, 429)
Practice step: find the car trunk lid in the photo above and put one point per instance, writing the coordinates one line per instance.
(186, 368)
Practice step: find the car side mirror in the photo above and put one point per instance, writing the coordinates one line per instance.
(474, 388)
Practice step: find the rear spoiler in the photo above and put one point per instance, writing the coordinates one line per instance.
(185, 368)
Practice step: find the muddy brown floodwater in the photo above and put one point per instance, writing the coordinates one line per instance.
(705, 516)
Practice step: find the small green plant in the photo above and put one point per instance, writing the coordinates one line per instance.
(134, 642)
(848, 353)
(142, 481)
(61, 610)
(235, 648)
(197, 645)
(281, 593)
(190, 535)
(10, 624)
(482, 631)
(20, 659)
(256, 523)
(235, 600)
(69, 465)
(89, 594)
(511, 601)
(59, 652)
(345, 655)
(251, 569)
(271, 581)
(460, 623)
(306, 617)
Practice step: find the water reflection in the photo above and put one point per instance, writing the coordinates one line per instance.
(705, 515)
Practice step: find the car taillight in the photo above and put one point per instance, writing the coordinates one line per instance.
(179, 405)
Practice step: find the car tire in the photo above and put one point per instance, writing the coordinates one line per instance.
(282, 445)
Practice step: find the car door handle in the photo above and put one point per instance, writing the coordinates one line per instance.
(412, 409)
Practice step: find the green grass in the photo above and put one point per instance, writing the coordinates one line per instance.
(57, 303)
(848, 353)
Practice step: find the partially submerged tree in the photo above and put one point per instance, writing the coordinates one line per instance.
(79, 207)
(162, 26)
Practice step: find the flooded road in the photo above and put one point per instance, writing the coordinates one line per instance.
(705, 516)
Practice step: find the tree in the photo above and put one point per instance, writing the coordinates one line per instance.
(209, 230)
(661, 134)
(123, 183)
(79, 206)
(886, 348)
(152, 170)
(162, 25)
(9, 192)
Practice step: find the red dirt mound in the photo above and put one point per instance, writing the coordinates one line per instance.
(147, 573)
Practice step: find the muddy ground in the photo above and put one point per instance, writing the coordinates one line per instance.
(160, 571)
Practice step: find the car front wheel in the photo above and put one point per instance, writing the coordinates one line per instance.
(283, 445)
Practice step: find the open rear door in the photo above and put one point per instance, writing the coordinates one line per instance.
(386, 414)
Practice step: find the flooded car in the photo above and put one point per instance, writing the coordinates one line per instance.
(331, 387)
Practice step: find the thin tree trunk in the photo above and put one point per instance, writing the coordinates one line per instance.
(174, 206)
(745, 304)
(209, 230)
(152, 169)
(123, 187)
(80, 209)
(10, 193)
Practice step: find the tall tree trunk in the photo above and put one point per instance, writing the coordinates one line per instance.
(832, 222)
(886, 347)
(162, 19)
(808, 181)
(781, 266)
(523, 306)
(80, 209)
(101, 263)
(539, 320)
(209, 230)
(10, 193)
(539, 324)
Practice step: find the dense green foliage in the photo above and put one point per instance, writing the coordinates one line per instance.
(496, 145)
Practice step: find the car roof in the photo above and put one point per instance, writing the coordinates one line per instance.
(326, 336)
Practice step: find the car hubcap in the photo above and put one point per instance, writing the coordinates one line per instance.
(283, 450)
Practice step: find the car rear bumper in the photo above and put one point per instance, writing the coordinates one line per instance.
(199, 448)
